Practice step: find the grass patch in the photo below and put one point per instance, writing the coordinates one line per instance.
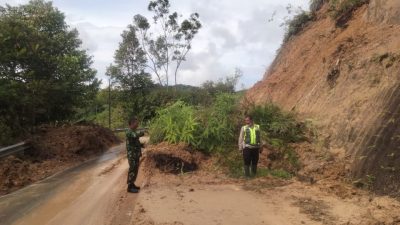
(280, 173)
(233, 162)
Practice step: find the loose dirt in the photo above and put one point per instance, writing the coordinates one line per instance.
(54, 149)
(205, 195)
(345, 81)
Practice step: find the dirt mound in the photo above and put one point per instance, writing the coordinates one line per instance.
(53, 149)
(71, 141)
(174, 159)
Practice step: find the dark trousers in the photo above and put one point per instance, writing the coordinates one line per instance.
(133, 169)
(250, 158)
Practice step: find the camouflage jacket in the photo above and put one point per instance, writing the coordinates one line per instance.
(133, 146)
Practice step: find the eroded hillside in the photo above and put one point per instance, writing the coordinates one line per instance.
(346, 79)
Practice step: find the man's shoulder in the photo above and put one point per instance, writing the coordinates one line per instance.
(130, 133)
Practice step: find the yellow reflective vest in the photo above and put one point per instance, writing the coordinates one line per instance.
(252, 135)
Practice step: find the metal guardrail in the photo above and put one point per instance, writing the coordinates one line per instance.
(13, 149)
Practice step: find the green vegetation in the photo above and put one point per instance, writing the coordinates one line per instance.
(45, 76)
(279, 127)
(340, 8)
(176, 123)
(342, 11)
(162, 45)
(208, 129)
(297, 24)
(280, 173)
(214, 129)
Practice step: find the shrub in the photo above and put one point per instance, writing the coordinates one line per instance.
(209, 129)
(176, 123)
(315, 5)
(297, 24)
(342, 10)
(6, 135)
(119, 118)
(218, 124)
(278, 126)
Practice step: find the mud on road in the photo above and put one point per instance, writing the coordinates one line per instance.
(204, 195)
(54, 149)
(208, 196)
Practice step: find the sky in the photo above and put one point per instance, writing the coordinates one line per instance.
(234, 34)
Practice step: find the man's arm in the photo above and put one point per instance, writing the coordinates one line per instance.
(240, 141)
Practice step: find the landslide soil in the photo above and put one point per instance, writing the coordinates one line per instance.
(344, 79)
(53, 150)
(203, 193)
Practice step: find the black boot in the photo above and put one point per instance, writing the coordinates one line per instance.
(137, 187)
(132, 189)
(254, 170)
(247, 171)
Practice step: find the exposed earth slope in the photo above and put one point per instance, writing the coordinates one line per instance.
(346, 80)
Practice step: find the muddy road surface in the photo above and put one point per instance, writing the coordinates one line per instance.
(81, 195)
(95, 194)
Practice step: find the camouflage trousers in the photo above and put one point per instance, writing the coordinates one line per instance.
(133, 169)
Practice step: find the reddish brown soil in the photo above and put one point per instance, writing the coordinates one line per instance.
(345, 81)
(204, 196)
(54, 150)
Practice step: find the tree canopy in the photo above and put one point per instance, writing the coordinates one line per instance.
(44, 72)
(167, 44)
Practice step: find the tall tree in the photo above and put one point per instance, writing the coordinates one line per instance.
(44, 73)
(128, 73)
(168, 42)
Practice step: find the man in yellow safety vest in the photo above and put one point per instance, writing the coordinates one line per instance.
(250, 145)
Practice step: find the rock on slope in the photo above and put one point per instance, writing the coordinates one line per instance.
(347, 79)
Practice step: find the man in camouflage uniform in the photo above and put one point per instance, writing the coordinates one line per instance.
(134, 152)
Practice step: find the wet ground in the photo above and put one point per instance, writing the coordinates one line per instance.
(95, 194)
(22, 206)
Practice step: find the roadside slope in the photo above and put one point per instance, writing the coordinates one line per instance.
(347, 80)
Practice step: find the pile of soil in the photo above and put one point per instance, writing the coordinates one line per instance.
(54, 149)
(70, 141)
(172, 159)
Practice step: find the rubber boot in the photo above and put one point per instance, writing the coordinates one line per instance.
(132, 189)
(253, 170)
(247, 171)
